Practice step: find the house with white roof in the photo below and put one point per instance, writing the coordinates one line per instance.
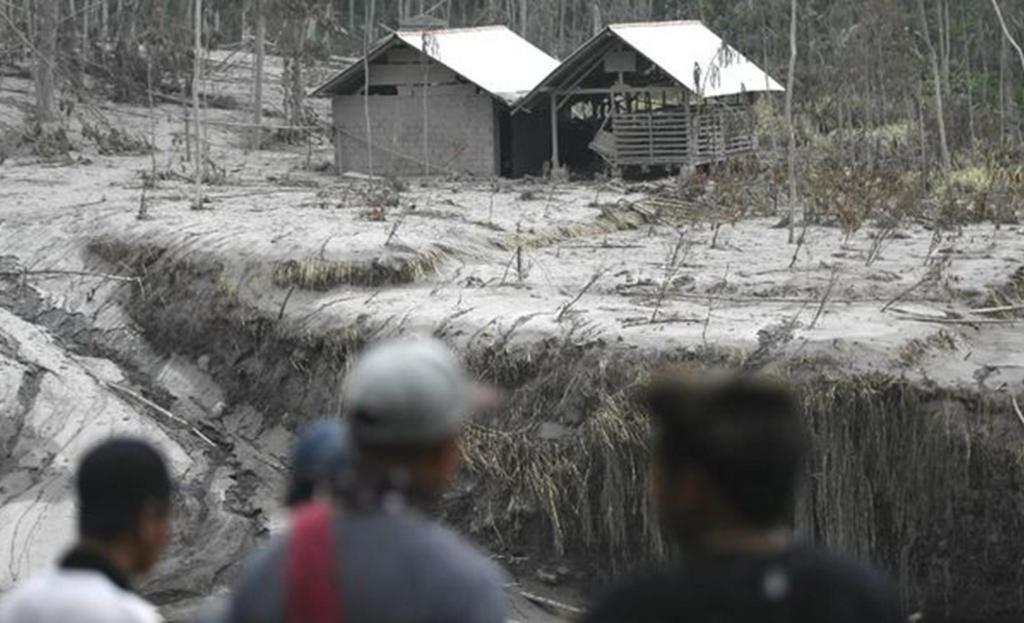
(429, 102)
(645, 95)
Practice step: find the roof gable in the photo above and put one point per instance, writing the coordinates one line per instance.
(690, 52)
(686, 51)
(493, 57)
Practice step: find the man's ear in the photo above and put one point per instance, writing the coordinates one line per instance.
(686, 490)
(690, 490)
(451, 454)
(154, 526)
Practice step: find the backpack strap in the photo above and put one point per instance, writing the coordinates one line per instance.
(312, 582)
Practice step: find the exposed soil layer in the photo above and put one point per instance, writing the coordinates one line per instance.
(923, 479)
(87, 382)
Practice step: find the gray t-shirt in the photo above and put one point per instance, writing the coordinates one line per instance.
(395, 567)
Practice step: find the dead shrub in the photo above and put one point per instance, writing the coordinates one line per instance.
(111, 141)
(47, 141)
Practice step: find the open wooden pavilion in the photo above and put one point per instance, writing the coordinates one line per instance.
(661, 94)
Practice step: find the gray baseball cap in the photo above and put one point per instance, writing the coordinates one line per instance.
(407, 391)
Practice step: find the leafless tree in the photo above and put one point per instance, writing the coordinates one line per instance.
(933, 60)
(257, 82)
(197, 83)
(790, 82)
(47, 27)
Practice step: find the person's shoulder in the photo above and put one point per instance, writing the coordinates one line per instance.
(836, 569)
(472, 573)
(90, 596)
(15, 603)
(258, 595)
(645, 595)
(102, 600)
(463, 560)
(860, 587)
(138, 610)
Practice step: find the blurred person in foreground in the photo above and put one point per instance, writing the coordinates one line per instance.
(124, 495)
(321, 463)
(384, 559)
(727, 453)
(319, 471)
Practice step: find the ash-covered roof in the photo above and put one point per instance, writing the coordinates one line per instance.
(687, 51)
(680, 48)
(492, 57)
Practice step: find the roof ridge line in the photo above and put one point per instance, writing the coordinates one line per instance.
(416, 31)
(674, 22)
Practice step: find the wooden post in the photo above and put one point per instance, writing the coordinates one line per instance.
(339, 153)
(693, 129)
(555, 163)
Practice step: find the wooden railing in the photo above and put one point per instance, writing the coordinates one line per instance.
(682, 136)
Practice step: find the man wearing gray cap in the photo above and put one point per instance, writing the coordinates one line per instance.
(406, 402)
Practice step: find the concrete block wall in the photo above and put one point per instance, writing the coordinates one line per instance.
(461, 132)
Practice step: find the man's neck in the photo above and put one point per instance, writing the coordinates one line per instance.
(745, 540)
(380, 484)
(111, 561)
(119, 556)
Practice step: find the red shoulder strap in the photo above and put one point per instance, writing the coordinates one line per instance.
(312, 574)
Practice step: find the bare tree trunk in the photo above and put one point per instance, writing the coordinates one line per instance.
(940, 117)
(371, 21)
(197, 71)
(244, 21)
(1007, 38)
(790, 82)
(104, 21)
(426, 104)
(292, 42)
(67, 35)
(257, 95)
(1002, 90)
(1006, 33)
(86, 10)
(925, 157)
(942, 15)
(561, 28)
(949, 51)
(30, 24)
(970, 96)
(367, 37)
(48, 22)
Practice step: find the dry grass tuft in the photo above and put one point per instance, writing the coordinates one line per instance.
(611, 219)
(320, 274)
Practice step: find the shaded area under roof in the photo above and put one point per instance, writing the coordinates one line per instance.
(687, 51)
(492, 57)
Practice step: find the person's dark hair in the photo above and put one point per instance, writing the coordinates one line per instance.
(744, 433)
(116, 481)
